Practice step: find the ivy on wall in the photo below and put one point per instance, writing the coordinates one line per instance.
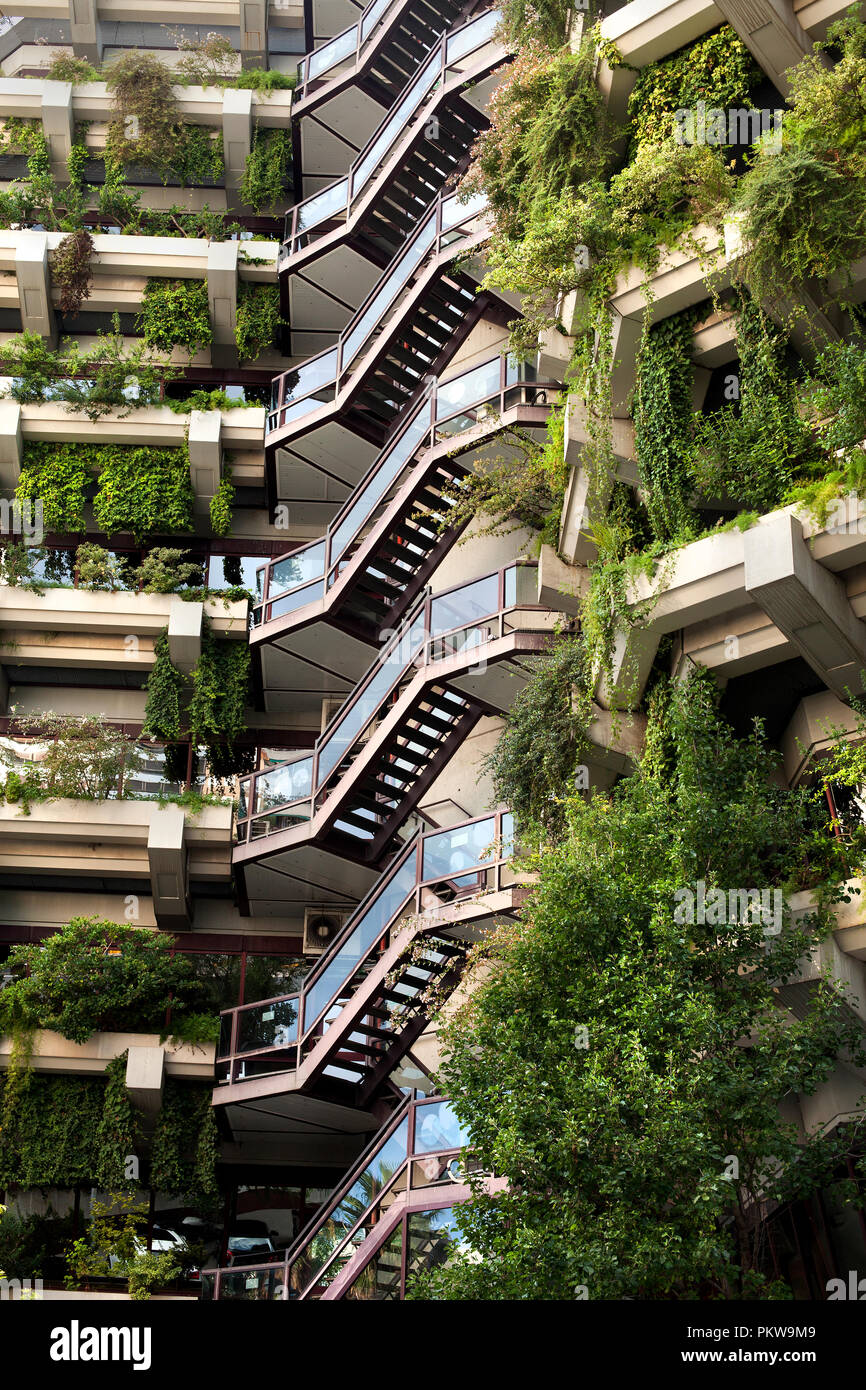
(165, 686)
(663, 423)
(221, 506)
(267, 172)
(718, 70)
(258, 319)
(216, 709)
(174, 313)
(60, 475)
(145, 491)
(184, 1152)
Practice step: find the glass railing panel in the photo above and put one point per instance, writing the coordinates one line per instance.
(463, 606)
(398, 278)
(258, 1284)
(269, 822)
(472, 36)
(349, 1210)
(396, 122)
(437, 1128)
(478, 385)
(325, 204)
(388, 671)
(330, 53)
(458, 209)
(378, 485)
(290, 602)
(296, 569)
(372, 925)
(372, 15)
(284, 784)
(321, 371)
(272, 1024)
(521, 585)
(454, 851)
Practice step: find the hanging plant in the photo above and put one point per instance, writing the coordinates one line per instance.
(165, 687)
(71, 266)
(663, 424)
(144, 491)
(258, 319)
(118, 1131)
(59, 475)
(174, 313)
(267, 172)
(184, 1152)
(216, 710)
(221, 506)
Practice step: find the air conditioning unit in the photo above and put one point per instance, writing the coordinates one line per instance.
(321, 925)
(330, 707)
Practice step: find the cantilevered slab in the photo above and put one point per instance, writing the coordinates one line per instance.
(771, 32)
(805, 601)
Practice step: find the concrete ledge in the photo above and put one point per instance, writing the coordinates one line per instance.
(52, 1053)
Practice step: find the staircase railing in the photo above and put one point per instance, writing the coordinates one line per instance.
(346, 47)
(462, 619)
(304, 574)
(318, 380)
(276, 1034)
(304, 221)
(419, 1147)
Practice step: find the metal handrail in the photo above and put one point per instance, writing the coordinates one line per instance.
(433, 71)
(371, 20)
(494, 857)
(418, 649)
(336, 545)
(337, 360)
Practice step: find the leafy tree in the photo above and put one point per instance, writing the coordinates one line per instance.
(616, 1142)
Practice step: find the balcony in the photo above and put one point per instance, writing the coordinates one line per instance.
(162, 848)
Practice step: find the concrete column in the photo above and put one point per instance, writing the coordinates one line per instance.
(771, 32)
(10, 444)
(84, 30)
(145, 1077)
(254, 33)
(184, 633)
(205, 455)
(237, 137)
(58, 125)
(166, 855)
(587, 500)
(634, 652)
(625, 341)
(561, 587)
(222, 296)
(34, 284)
(4, 691)
(806, 602)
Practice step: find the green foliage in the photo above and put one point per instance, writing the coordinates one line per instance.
(114, 1232)
(99, 976)
(118, 1130)
(548, 20)
(49, 1138)
(258, 319)
(145, 491)
(218, 399)
(164, 571)
(85, 757)
(524, 486)
(219, 695)
(533, 764)
(174, 313)
(184, 1153)
(61, 476)
(30, 1245)
(662, 423)
(615, 1151)
(97, 568)
(718, 70)
(267, 172)
(93, 379)
(165, 687)
(804, 206)
(149, 1270)
(754, 453)
(65, 68)
(221, 506)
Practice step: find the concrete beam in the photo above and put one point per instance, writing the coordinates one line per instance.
(84, 30)
(34, 285)
(586, 499)
(806, 602)
(771, 32)
(634, 652)
(222, 297)
(184, 633)
(561, 587)
(11, 445)
(58, 125)
(145, 1078)
(167, 859)
(237, 138)
(809, 734)
(254, 33)
(205, 455)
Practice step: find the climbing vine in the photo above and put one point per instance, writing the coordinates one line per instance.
(60, 476)
(258, 319)
(145, 491)
(174, 313)
(267, 172)
(221, 506)
(165, 687)
(663, 424)
(184, 1153)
